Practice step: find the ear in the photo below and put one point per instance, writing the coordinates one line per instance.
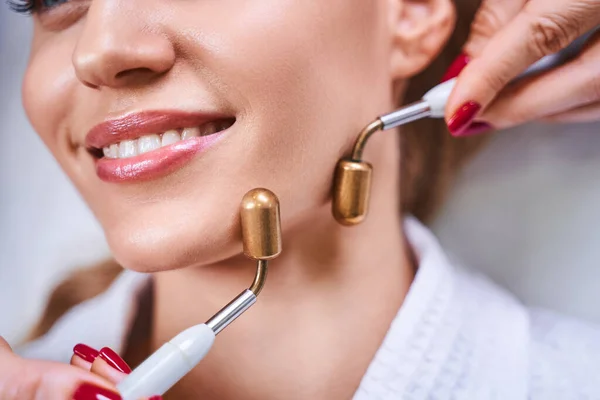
(419, 30)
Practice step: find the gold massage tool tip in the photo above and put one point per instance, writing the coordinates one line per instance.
(352, 182)
(261, 231)
(261, 234)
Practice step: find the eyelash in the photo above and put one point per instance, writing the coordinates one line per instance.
(23, 6)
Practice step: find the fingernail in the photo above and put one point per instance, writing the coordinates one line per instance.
(463, 118)
(456, 67)
(156, 398)
(113, 359)
(87, 391)
(476, 128)
(85, 352)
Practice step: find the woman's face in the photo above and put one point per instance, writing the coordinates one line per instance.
(287, 83)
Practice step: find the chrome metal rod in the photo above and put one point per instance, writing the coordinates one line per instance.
(363, 137)
(260, 278)
(406, 114)
(231, 311)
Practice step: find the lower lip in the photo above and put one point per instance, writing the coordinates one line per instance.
(154, 164)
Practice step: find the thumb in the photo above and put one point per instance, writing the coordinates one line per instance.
(540, 29)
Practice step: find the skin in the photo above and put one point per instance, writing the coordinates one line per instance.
(301, 78)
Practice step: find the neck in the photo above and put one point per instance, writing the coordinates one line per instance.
(326, 307)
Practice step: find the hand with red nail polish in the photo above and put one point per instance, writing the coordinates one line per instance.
(509, 36)
(35, 379)
(105, 362)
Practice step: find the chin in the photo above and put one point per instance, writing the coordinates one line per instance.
(177, 240)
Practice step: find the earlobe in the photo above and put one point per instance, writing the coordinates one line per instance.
(419, 30)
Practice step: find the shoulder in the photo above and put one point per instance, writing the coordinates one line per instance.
(564, 356)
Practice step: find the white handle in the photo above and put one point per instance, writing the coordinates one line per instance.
(165, 367)
(437, 98)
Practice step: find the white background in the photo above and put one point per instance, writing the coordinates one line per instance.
(526, 210)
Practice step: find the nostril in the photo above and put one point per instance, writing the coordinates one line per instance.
(90, 85)
(135, 72)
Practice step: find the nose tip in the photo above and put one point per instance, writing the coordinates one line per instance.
(101, 60)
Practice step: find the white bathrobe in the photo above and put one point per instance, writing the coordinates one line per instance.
(456, 336)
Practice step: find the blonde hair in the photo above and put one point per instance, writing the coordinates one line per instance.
(430, 161)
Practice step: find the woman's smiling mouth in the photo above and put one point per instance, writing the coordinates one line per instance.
(152, 144)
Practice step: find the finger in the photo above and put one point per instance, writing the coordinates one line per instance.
(588, 113)
(87, 391)
(28, 380)
(110, 366)
(72, 383)
(84, 356)
(106, 371)
(114, 360)
(4, 346)
(76, 384)
(540, 29)
(491, 17)
(571, 86)
(78, 362)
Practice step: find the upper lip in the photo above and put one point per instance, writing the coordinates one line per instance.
(134, 126)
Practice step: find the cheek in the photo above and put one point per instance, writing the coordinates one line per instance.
(48, 94)
(312, 74)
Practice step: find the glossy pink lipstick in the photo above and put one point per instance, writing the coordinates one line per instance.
(159, 161)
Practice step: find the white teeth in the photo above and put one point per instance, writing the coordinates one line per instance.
(145, 144)
(114, 150)
(190, 133)
(170, 137)
(148, 143)
(127, 148)
(111, 151)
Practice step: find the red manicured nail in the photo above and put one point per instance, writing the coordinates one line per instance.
(87, 391)
(113, 359)
(476, 128)
(156, 398)
(85, 352)
(456, 67)
(463, 118)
